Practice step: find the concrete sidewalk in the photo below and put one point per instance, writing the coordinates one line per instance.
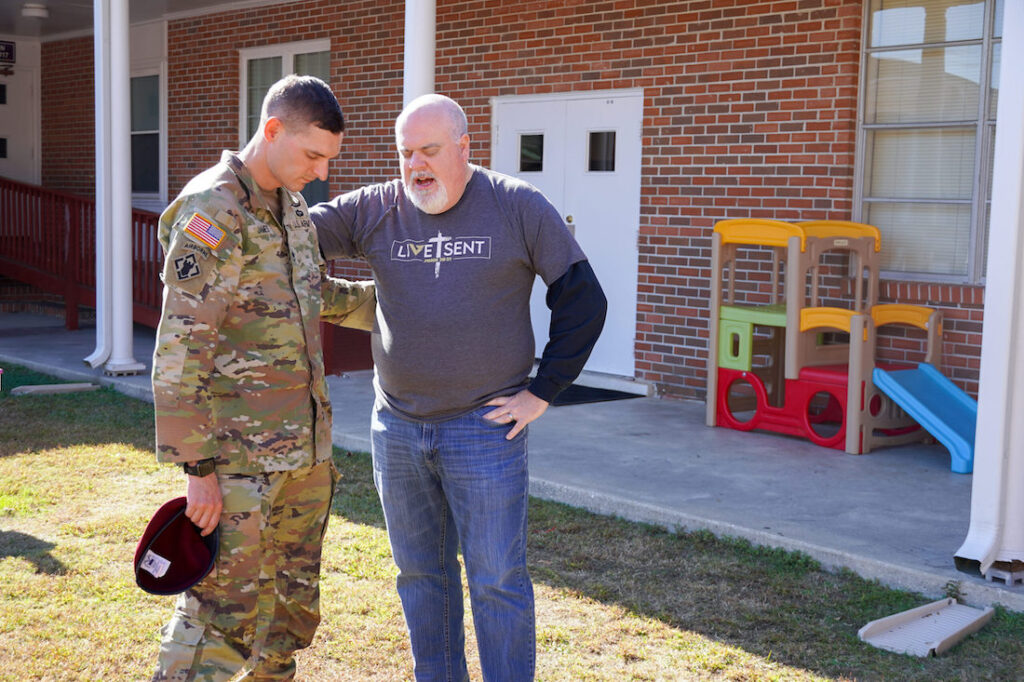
(896, 515)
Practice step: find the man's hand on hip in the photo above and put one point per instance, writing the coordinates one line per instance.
(521, 408)
(204, 502)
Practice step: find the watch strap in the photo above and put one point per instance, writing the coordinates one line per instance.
(203, 467)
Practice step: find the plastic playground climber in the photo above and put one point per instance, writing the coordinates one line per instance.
(793, 343)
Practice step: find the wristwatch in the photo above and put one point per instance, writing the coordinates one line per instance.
(203, 467)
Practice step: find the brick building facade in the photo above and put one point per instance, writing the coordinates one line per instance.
(749, 110)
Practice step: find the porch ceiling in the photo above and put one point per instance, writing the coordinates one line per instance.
(67, 16)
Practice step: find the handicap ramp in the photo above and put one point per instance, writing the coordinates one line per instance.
(938, 405)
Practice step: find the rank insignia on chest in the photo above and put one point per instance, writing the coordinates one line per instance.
(186, 267)
(198, 227)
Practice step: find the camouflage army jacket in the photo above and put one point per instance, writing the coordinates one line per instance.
(238, 368)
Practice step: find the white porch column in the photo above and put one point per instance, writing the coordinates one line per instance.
(420, 38)
(121, 359)
(996, 532)
(101, 58)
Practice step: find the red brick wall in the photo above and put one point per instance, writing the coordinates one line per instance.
(68, 110)
(750, 110)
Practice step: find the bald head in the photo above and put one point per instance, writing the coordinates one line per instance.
(436, 106)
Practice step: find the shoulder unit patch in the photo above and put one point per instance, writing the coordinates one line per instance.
(186, 267)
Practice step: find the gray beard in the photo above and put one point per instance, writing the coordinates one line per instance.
(432, 203)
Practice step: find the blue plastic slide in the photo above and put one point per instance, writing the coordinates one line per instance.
(938, 405)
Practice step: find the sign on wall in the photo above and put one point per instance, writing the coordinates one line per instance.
(6, 52)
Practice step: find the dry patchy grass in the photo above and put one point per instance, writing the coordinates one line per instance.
(615, 600)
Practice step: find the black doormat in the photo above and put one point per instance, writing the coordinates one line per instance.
(577, 395)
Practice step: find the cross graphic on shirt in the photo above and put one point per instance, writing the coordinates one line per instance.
(438, 240)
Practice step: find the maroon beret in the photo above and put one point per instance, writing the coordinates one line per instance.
(172, 556)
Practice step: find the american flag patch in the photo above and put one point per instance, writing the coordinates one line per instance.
(205, 231)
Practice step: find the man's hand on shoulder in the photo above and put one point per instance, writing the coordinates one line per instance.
(521, 408)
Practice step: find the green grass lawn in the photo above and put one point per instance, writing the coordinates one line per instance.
(615, 600)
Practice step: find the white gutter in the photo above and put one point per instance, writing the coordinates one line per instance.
(996, 532)
(101, 59)
(420, 38)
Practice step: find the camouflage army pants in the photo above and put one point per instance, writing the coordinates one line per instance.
(261, 602)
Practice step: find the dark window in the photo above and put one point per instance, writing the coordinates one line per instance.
(531, 153)
(315, 192)
(3, 93)
(602, 151)
(145, 162)
(3, 147)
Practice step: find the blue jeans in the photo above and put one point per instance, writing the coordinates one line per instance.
(442, 485)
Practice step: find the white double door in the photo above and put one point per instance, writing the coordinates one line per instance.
(583, 152)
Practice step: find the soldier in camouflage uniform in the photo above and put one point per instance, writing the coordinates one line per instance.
(239, 389)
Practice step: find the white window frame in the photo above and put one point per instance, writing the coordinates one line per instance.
(982, 158)
(287, 52)
(150, 38)
(156, 201)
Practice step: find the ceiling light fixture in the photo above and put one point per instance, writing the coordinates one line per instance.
(35, 10)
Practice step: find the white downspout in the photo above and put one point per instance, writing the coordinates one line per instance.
(121, 359)
(996, 532)
(420, 38)
(101, 57)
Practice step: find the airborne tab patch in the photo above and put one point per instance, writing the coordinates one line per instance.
(200, 228)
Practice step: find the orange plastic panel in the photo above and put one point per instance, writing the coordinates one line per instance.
(826, 229)
(896, 313)
(758, 231)
(836, 318)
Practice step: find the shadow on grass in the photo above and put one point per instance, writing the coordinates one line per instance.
(774, 604)
(32, 549)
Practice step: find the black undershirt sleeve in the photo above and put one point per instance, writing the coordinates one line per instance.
(578, 308)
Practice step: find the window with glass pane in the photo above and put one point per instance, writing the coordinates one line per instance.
(145, 134)
(923, 136)
(602, 151)
(531, 153)
(262, 72)
(315, 64)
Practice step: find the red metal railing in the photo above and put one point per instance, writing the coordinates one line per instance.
(48, 240)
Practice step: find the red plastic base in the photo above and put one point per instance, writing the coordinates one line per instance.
(797, 416)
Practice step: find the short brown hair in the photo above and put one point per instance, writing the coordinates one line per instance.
(303, 100)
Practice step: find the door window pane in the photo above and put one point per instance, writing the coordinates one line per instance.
(531, 153)
(602, 151)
